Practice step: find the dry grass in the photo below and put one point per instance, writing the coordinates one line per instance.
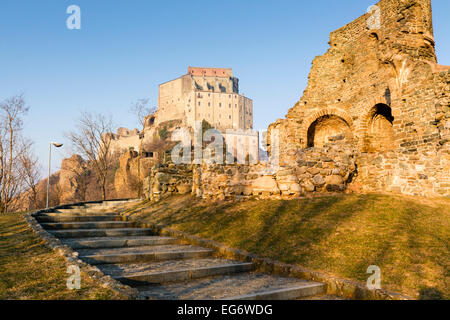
(29, 270)
(407, 237)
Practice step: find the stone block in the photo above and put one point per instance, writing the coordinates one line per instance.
(319, 181)
(295, 188)
(265, 184)
(184, 188)
(334, 180)
(308, 186)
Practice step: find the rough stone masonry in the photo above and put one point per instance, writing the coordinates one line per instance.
(379, 90)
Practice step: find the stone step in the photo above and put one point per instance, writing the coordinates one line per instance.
(243, 286)
(323, 296)
(78, 214)
(108, 203)
(295, 291)
(173, 270)
(81, 210)
(77, 218)
(142, 254)
(88, 225)
(117, 242)
(160, 267)
(88, 233)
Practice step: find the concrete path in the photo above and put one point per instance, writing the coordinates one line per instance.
(162, 267)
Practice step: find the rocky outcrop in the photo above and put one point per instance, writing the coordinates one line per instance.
(131, 173)
(69, 178)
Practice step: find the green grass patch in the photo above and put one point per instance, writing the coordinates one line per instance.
(407, 237)
(30, 270)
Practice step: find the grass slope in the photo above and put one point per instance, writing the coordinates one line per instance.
(408, 238)
(30, 270)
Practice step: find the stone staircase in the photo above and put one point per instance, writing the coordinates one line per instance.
(163, 267)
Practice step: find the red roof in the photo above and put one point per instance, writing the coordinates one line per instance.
(211, 72)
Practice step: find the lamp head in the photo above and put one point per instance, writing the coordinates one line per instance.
(57, 145)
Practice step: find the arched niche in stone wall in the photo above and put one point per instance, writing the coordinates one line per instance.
(329, 129)
(379, 134)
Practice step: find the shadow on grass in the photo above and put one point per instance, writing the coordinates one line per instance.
(430, 293)
(340, 235)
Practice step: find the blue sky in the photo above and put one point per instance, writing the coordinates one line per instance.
(126, 48)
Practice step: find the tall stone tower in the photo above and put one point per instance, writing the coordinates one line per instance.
(210, 94)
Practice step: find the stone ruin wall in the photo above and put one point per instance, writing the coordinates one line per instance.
(383, 91)
(125, 140)
(316, 171)
(168, 179)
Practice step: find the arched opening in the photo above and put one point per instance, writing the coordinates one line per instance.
(380, 130)
(328, 129)
(149, 121)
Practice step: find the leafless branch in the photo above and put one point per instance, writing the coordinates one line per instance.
(12, 111)
(92, 140)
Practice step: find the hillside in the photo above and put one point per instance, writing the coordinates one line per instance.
(407, 237)
(30, 270)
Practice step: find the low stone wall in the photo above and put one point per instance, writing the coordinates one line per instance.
(321, 170)
(167, 179)
(406, 173)
(328, 169)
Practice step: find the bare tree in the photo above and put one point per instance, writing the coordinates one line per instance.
(92, 140)
(82, 177)
(12, 111)
(31, 173)
(55, 190)
(141, 110)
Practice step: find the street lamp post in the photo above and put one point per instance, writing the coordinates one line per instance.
(56, 145)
